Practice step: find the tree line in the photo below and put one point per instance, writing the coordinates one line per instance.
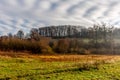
(98, 39)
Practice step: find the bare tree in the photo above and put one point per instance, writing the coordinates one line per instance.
(34, 34)
(20, 34)
(10, 35)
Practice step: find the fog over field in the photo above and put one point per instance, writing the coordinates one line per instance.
(26, 14)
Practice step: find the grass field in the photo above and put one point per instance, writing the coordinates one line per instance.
(23, 66)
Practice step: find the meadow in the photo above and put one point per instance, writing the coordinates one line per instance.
(23, 66)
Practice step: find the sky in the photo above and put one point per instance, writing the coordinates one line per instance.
(26, 14)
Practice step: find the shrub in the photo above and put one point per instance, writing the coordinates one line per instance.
(83, 51)
(62, 46)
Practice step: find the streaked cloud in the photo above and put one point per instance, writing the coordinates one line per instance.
(26, 14)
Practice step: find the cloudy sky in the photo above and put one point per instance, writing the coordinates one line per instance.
(26, 14)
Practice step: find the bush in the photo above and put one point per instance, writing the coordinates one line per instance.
(83, 51)
(62, 46)
(15, 44)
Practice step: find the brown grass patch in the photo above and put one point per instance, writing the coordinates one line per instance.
(82, 58)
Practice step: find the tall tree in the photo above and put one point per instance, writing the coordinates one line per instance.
(34, 34)
(20, 34)
(10, 35)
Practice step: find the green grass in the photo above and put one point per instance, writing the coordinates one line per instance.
(36, 69)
